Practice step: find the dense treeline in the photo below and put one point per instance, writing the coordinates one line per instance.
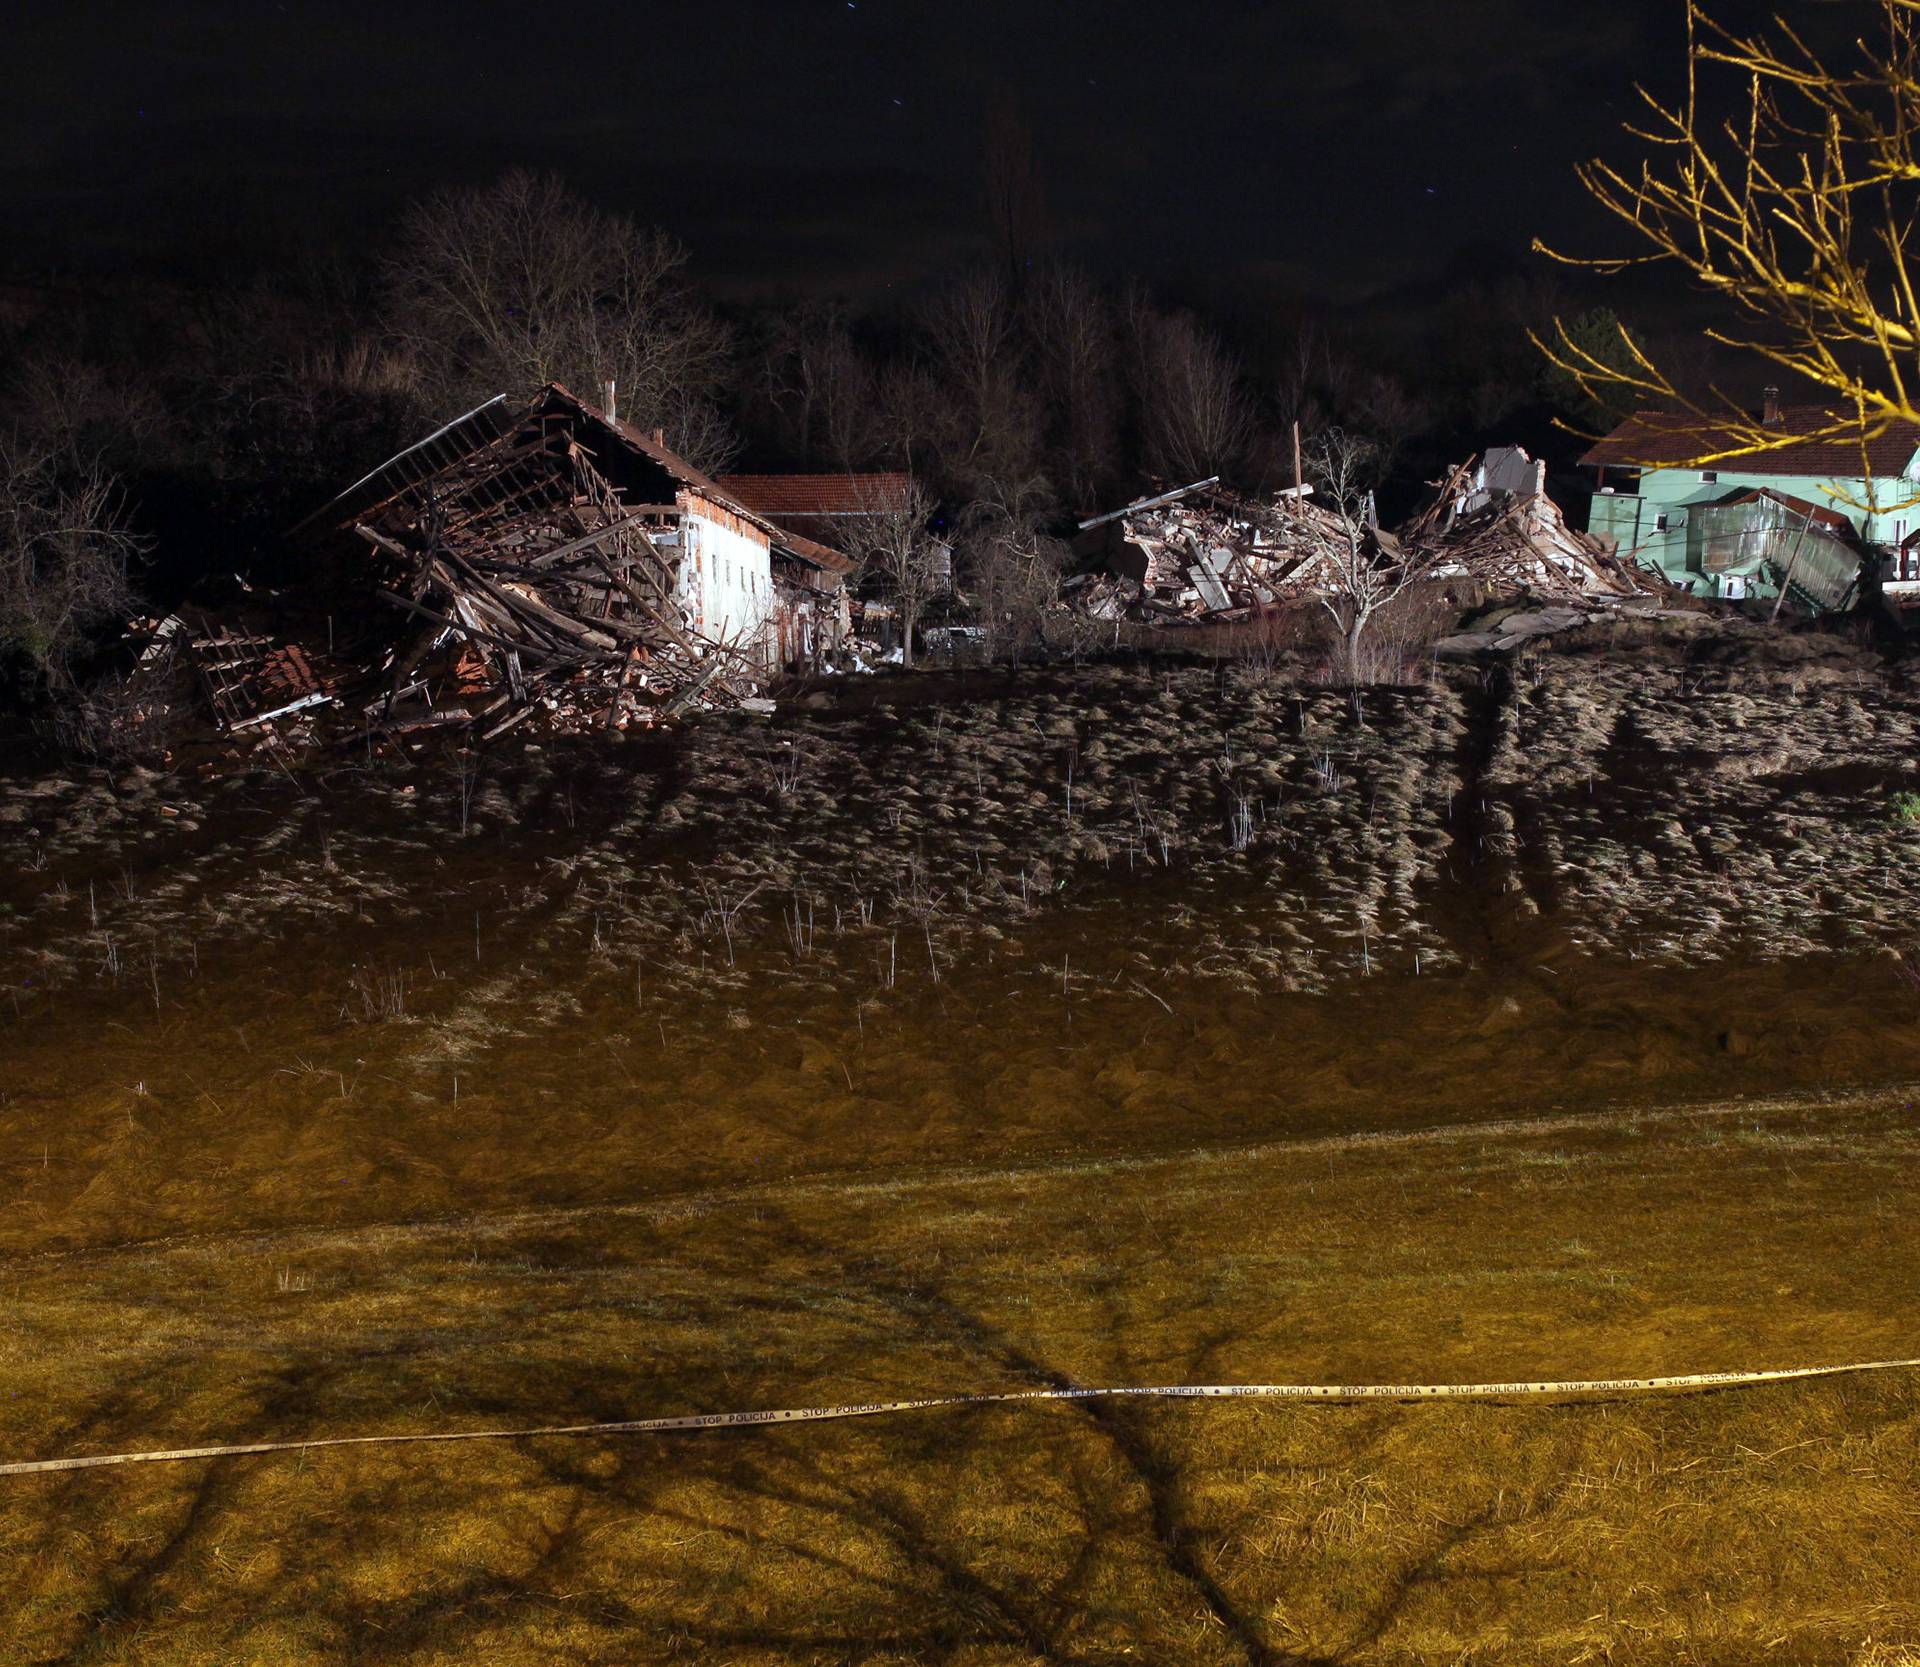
(168, 434)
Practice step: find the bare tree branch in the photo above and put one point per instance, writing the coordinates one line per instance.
(1194, 416)
(899, 549)
(1359, 570)
(64, 553)
(520, 283)
(1796, 207)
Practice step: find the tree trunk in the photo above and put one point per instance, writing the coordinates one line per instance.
(1354, 633)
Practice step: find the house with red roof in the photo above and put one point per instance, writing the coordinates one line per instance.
(831, 509)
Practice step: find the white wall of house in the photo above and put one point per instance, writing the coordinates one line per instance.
(726, 575)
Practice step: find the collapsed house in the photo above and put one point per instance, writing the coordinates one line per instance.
(1196, 553)
(560, 558)
(1201, 554)
(1494, 523)
(526, 561)
(540, 561)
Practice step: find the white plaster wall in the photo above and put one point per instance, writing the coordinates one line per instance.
(726, 579)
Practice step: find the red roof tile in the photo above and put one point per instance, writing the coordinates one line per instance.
(808, 550)
(833, 494)
(1664, 439)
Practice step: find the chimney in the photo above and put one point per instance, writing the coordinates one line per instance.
(612, 411)
(1770, 406)
(660, 437)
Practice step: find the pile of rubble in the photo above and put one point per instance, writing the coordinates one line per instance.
(542, 564)
(1516, 542)
(1199, 554)
(235, 664)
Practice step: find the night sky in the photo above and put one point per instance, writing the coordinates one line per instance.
(1326, 148)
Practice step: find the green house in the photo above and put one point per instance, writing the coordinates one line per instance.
(1815, 515)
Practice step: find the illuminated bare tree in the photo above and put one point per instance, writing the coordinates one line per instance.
(1797, 209)
(1359, 569)
(1012, 566)
(521, 282)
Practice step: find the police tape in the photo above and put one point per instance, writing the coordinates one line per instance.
(1335, 1392)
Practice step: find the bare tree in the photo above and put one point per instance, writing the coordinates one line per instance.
(1300, 387)
(899, 550)
(521, 282)
(1796, 208)
(65, 405)
(823, 386)
(1391, 415)
(989, 420)
(1071, 327)
(1012, 566)
(911, 410)
(64, 553)
(1359, 570)
(1193, 415)
(1014, 592)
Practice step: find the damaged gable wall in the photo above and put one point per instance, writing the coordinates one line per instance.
(726, 574)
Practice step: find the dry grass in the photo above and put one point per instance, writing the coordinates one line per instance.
(1707, 1528)
(626, 1143)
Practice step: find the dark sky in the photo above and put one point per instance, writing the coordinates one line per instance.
(1334, 148)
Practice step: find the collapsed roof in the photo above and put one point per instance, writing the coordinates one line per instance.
(1200, 552)
(525, 561)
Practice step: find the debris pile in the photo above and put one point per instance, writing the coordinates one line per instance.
(539, 584)
(231, 665)
(1517, 542)
(251, 679)
(540, 564)
(1199, 553)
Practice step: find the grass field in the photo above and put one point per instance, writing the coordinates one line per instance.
(362, 1126)
(1712, 1528)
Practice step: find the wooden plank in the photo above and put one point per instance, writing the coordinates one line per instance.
(506, 599)
(474, 630)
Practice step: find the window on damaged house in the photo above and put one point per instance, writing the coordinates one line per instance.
(1660, 524)
(1709, 475)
